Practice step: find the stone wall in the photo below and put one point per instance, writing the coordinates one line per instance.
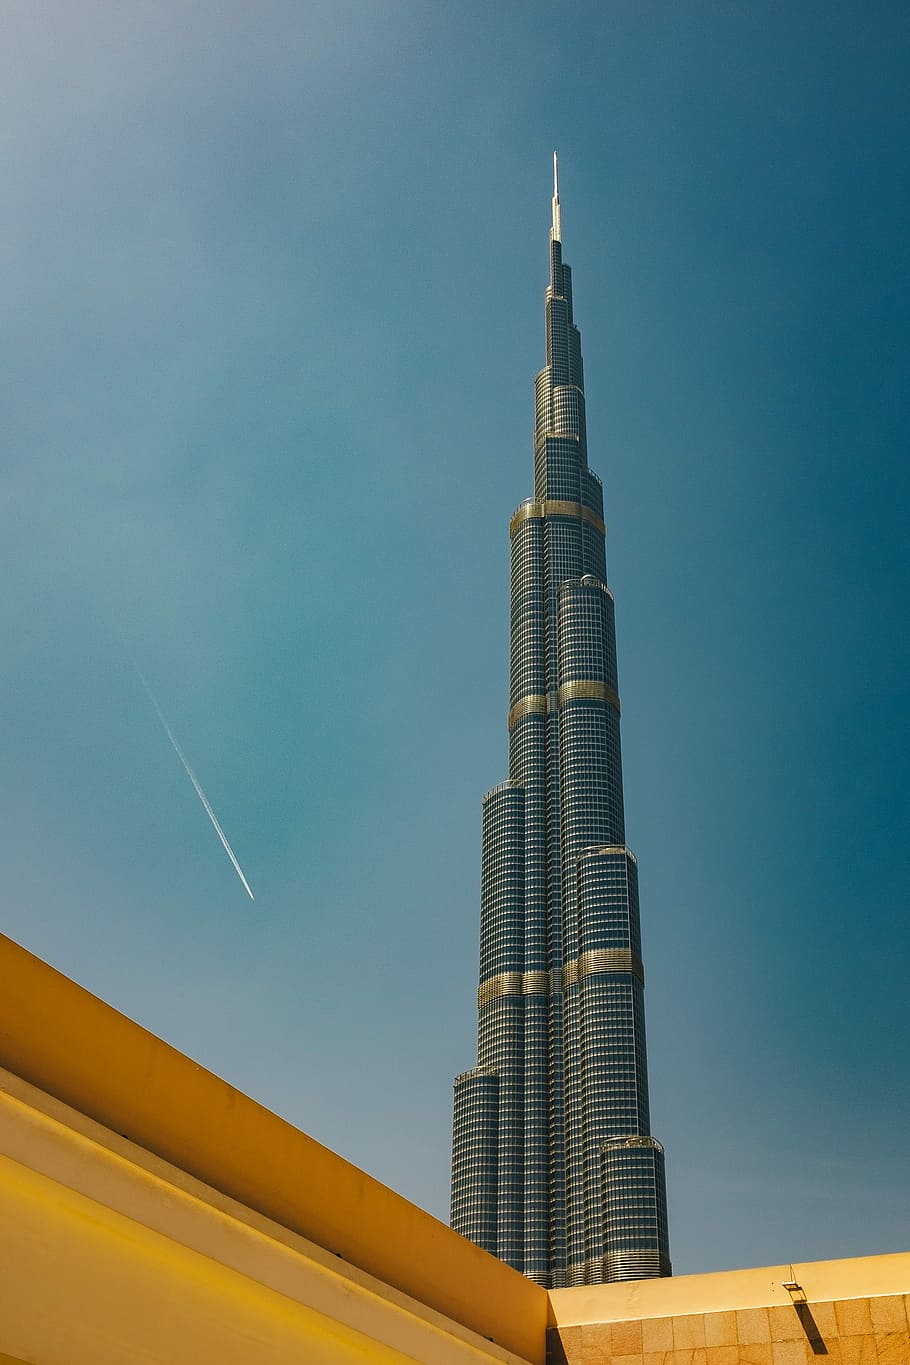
(849, 1332)
(795, 1326)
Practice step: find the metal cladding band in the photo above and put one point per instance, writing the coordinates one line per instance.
(601, 961)
(597, 962)
(579, 689)
(538, 703)
(513, 983)
(555, 507)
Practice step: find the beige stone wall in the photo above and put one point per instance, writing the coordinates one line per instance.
(846, 1332)
(851, 1312)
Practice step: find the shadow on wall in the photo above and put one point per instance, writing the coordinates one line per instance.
(810, 1327)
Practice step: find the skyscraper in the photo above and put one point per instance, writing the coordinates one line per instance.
(553, 1168)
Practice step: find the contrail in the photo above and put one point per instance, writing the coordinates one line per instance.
(195, 781)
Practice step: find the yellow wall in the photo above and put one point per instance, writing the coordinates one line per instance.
(110, 1256)
(70, 1045)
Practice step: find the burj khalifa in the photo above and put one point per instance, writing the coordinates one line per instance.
(554, 1168)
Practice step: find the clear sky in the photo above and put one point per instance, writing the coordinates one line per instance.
(273, 304)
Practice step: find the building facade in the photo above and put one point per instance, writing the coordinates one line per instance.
(554, 1169)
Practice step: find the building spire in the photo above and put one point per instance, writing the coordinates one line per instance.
(556, 231)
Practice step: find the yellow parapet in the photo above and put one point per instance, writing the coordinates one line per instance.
(64, 1043)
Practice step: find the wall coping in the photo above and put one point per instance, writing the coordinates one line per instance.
(725, 1290)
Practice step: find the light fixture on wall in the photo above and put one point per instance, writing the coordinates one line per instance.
(794, 1289)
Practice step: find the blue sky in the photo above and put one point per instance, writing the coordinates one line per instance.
(273, 304)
